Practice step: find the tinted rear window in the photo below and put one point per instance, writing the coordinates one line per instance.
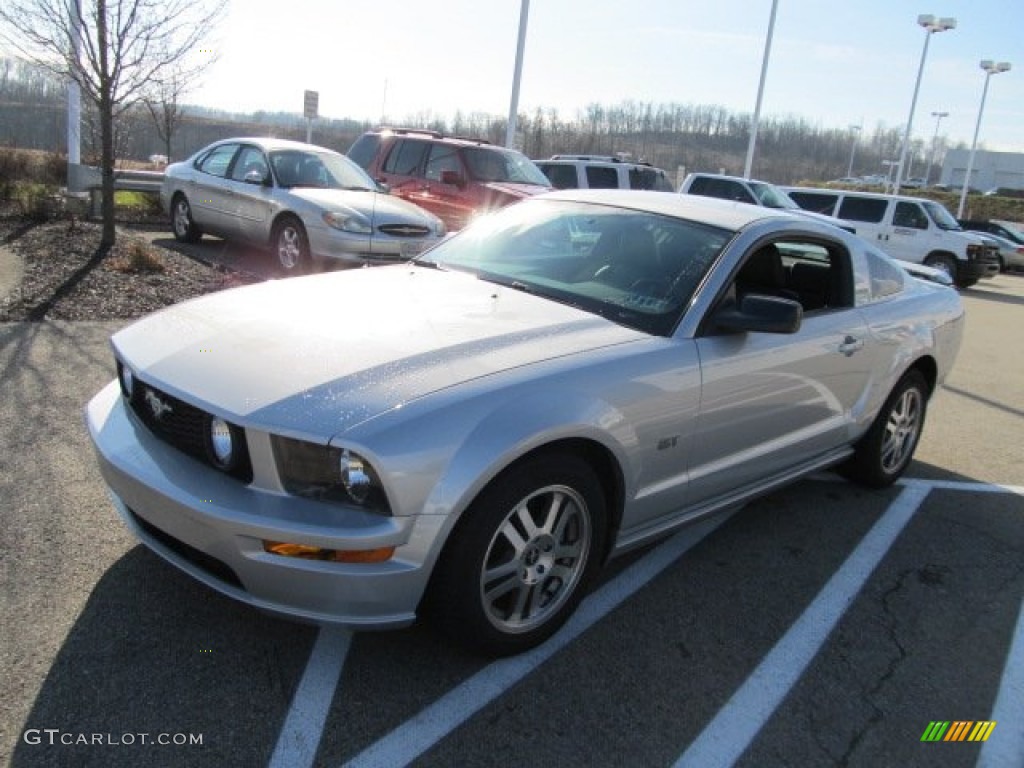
(819, 202)
(863, 209)
(599, 177)
(363, 151)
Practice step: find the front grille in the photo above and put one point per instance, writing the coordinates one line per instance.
(184, 426)
(403, 230)
(206, 563)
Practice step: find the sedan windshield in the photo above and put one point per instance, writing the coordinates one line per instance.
(635, 268)
(325, 170)
(494, 164)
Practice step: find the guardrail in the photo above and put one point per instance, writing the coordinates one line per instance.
(88, 179)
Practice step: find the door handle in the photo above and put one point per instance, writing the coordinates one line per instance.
(850, 345)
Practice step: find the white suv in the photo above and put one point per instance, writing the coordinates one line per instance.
(602, 172)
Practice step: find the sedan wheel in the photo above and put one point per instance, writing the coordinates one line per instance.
(520, 559)
(185, 229)
(884, 453)
(291, 246)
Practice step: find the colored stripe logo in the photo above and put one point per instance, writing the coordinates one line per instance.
(958, 730)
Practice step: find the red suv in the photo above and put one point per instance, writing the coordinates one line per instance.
(452, 177)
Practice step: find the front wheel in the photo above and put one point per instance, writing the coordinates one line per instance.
(885, 451)
(519, 561)
(943, 264)
(291, 246)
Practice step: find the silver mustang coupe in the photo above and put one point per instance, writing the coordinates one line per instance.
(471, 435)
(305, 202)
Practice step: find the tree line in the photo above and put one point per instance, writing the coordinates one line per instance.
(694, 137)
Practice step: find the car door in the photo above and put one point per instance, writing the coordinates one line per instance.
(252, 194)
(772, 402)
(210, 194)
(445, 180)
(909, 235)
(402, 170)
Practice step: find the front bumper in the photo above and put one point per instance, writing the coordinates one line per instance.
(212, 527)
(328, 244)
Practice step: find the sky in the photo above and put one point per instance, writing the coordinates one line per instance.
(833, 63)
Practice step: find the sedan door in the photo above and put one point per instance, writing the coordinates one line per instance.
(772, 402)
(210, 194)
(253, 195)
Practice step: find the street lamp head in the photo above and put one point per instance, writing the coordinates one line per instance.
(934, 24)
(940, 115)
(993, 67)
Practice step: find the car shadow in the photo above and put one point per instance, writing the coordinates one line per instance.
(154, 652)
(983, 291)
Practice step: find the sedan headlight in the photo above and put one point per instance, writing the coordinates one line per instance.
(348, 222)
(327, 473)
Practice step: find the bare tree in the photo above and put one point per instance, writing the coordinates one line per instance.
(165, 107)
(127, 49)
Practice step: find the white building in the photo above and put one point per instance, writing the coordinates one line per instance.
(989, 171)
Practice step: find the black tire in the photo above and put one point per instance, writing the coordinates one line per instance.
(885, 451)
(184, 227)
(522, 556)
(290, 245)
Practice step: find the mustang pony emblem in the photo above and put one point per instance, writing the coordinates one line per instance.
(156, 405)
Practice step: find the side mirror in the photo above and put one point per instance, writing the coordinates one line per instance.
(760, 314)
(453, 178)
(255, 177)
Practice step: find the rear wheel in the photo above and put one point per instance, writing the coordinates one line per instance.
(519, 561)
(185, 229)
(884, 453)
(291, 246)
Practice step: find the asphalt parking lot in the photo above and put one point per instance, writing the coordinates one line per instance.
(822, 625)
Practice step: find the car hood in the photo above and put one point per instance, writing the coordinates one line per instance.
(516, 190)
(381, 207)
(315, 356)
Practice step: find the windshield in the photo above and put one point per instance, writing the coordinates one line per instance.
(635, 268)
(771, 197)
(325, 170)
(943, 219)
(495, 164)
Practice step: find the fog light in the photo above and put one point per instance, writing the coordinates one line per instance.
(222, 443)
(308, 552)
(127, 378)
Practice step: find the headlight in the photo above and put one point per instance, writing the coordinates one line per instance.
(327, 473)
(348, 222)
(127, 379)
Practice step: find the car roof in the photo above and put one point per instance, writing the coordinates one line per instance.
(709, 210)
(269, 143)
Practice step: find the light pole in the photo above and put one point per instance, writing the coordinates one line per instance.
(513, 108)
(760, 92)
(855, 130)
(991, 68)
(935, 138)
(931, 25)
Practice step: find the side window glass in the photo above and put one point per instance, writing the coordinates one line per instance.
(217, 160)
(818, 202)
(909, 215)
(599, 177)
(364, 150)
(561, 176)
(886, 278)
(867, 209)
(250, 160)
(442, 158)
(406, 157)
(737, 192)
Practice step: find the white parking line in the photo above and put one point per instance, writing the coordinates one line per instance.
(304, 725)
(732, 730)
(1005, 748)
(416, 736)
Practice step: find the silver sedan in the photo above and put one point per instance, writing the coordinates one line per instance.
(305, 202)
(566, 379)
